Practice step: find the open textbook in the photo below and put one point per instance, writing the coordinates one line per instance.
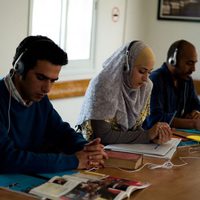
(162, 151)
(87, 186)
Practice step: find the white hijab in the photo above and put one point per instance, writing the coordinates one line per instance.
(109, 94)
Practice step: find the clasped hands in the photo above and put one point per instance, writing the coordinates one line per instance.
(160, 133)
(92, 155)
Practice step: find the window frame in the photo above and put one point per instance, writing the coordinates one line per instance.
(75, 69)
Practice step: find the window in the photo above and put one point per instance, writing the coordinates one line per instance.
(70, 23)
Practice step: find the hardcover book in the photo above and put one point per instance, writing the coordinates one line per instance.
(123, 160)
(81, 186)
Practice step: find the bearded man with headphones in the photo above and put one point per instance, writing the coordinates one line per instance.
(33, 137)
(173, 98)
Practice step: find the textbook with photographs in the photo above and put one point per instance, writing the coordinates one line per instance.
(87, 186)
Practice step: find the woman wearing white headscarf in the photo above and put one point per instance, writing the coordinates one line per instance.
(117, 100)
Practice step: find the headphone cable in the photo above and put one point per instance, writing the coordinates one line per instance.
(10, 96)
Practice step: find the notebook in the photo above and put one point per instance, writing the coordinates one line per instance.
(188, 130)
(189, 134)
(147, 149)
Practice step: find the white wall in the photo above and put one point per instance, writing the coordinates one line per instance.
(13, 28)
(137, 21)
(109, 34)
(161, 33)
(134, 28)
(68, 108)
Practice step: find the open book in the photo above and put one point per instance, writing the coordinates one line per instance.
(163, 151)
(87, 186)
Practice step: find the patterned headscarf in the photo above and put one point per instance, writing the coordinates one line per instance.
(109, 94)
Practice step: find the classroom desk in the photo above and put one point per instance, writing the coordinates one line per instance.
(178, 183)
(6, 194)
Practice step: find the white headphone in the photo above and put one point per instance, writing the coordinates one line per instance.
(18, 65)
(127, 66)
(172, 59)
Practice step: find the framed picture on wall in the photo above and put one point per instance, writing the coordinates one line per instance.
(184, 10)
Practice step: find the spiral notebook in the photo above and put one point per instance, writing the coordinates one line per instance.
(164, 151)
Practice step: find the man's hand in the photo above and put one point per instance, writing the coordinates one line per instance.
(195, 114)
(92, 155)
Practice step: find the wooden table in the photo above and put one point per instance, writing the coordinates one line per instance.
(178, 183)
(6, 194)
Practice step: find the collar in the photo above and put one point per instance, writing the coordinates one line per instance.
(166, 69)
(13, 90)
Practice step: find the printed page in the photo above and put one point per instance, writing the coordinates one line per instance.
(138, 186)
(128, 186)
(153, 149)
(89, 175)
(55, 187)
(95, 190)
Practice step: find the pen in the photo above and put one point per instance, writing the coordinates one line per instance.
(174, 114)
(172, 117)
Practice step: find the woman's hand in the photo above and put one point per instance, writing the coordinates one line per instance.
(160, 133)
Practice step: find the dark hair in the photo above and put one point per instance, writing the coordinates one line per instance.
(179, 44)
(34, 48)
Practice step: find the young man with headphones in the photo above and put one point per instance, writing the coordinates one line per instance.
(173, 98)
(33, 137)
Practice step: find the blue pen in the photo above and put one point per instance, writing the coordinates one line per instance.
(169, 125)
(172, 117)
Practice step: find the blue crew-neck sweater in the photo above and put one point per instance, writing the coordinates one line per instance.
(37, 140)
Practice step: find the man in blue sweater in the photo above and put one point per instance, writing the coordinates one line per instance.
(173, 98)
(33, 137)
